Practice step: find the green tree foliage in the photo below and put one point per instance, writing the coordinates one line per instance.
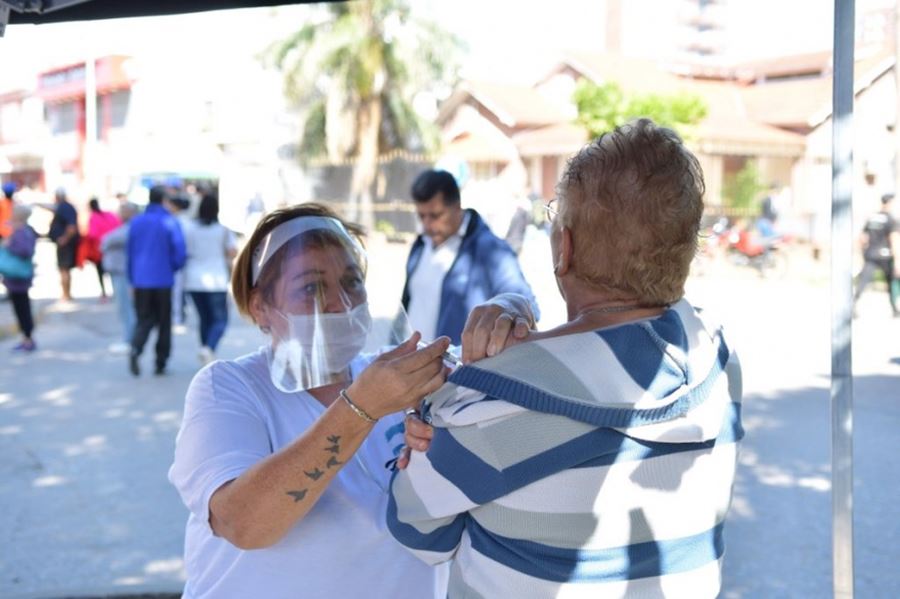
(604, 107)
(355, 70)
(742, 191)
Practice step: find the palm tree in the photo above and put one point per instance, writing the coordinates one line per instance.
(356, 72)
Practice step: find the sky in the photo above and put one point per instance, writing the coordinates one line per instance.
(526, 42)
(509, 43)
(212, 37)
(508, 40)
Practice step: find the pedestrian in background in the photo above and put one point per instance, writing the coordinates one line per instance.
(210, 250)
(881, 249)
(155, 253)
(21, 243)
(6, 205)
(100, 223)
(179, 205)
(456, 263)
(64, 233)
(114, 249)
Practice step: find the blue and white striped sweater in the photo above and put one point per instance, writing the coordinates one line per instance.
(594, 464)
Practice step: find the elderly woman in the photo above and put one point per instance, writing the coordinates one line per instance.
(596, 459)
(21, 244)
(281, 454)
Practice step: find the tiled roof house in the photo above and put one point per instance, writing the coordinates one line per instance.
(774, 112)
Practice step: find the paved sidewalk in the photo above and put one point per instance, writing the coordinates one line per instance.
(88, 511)
(45, 290)
(86, 446)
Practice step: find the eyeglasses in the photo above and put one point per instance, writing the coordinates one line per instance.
(551, 209)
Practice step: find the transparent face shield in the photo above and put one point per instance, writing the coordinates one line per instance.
(310, 274)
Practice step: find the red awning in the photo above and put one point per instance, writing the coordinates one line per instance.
(67, 83)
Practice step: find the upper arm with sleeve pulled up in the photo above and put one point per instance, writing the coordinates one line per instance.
(223, 433)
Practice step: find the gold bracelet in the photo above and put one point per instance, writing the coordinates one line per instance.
(358, 410)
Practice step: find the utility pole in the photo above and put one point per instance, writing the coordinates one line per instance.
(89, 151)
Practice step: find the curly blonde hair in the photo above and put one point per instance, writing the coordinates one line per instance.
(633, 199)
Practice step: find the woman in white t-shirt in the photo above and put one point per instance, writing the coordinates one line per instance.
(281, 457)
(210, 251)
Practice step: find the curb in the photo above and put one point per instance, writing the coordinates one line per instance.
(137, 592)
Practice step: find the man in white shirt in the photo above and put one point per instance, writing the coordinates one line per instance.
(456, 263)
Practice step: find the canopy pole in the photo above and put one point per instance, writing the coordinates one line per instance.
(842, 302)
(4, 18)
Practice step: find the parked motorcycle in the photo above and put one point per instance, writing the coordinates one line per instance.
(746, 247)
(712, 245)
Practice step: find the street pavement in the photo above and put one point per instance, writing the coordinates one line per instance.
(88, 511)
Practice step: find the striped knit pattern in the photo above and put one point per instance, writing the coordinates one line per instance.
(596, 464)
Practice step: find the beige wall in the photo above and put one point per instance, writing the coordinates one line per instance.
(873, 155)
(712, 175)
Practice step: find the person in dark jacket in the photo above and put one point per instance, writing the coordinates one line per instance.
(21, 243)
(456, 263)
(64, 233)
(155, 252)
(881, 243)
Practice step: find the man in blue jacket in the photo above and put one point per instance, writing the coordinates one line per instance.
(456, 263)
(155, 251)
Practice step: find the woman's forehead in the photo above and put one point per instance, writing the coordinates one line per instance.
(327, 258)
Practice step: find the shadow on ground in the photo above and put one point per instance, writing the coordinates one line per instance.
(778, 536)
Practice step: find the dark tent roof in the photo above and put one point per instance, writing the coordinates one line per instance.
(54, 11)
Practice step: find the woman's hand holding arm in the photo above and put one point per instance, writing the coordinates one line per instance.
(400, 378)
(256, 509)
(504, 320)
(417, 435)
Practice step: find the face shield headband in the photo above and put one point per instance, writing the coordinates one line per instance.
(288, 230)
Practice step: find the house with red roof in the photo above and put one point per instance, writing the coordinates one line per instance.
(775, 113)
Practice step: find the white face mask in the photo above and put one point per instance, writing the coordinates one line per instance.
(320, 348)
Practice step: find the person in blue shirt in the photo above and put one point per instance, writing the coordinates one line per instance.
(155, 252)
(456, 263)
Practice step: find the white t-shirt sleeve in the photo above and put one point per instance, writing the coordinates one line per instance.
(222, 435)
(230, 240)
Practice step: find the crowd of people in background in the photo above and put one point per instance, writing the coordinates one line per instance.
(149, 260)
(181, 256)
